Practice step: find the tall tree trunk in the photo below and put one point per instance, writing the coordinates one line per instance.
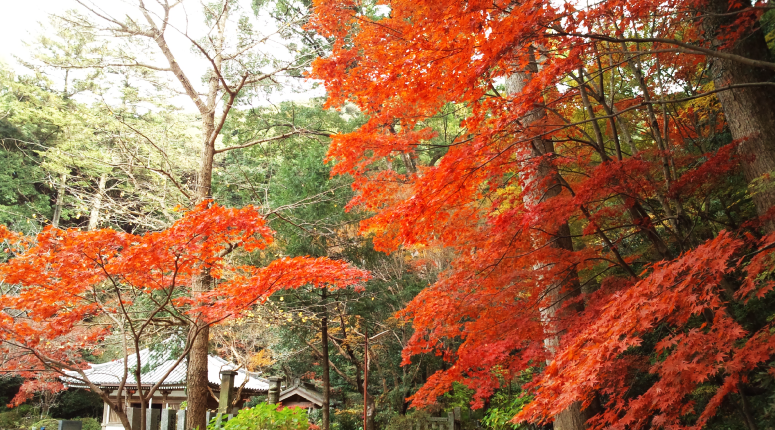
(60, 200)
(371, 414)
(94, 216)
(198, 391)
(326, 369)
(548, 178)
(750, 112)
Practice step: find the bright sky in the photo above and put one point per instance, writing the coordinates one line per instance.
(20, 23)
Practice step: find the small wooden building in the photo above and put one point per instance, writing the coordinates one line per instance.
(172, 391)
(301, 394)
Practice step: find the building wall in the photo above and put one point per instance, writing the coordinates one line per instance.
(171, 400)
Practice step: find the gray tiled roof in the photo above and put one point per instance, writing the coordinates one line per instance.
(304, 391)
(110, 374)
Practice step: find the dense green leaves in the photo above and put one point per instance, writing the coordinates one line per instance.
(265, 417)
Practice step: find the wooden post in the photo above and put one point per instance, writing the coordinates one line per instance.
(365, 377)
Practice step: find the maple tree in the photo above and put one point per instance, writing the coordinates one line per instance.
(46, 388)
(237, 64)
(75, 290)
(587, 198)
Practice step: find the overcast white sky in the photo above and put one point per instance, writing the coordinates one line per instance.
(20, 22)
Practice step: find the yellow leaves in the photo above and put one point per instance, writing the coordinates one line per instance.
(261, 359)
(509, 196)
(703, 107)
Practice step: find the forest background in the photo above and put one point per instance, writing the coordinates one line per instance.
(603, 253)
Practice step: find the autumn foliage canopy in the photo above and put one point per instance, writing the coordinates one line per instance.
(74, 289)
(585, 194)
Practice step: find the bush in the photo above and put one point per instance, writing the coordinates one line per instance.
(408, 421)
(10, 420)
(77, 402)
(48, 423)
(89, 423)
(347, 419)
(267, 417)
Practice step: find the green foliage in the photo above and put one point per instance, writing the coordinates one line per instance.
(408, 421)
(9, 386)
(10, 420)
(267, 417)
(75, 403)
(347, 419)
(503, 407)
(89, 423)
(32, 120)
(48, 423)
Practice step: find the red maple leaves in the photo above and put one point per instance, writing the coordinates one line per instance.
(638, 168)
(71, 291)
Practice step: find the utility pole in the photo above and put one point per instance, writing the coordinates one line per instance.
(365, 376)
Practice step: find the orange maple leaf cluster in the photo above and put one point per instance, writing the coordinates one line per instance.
(512, 291)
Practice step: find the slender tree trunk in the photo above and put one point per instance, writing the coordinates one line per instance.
(750, 112)
(60, 200)
(326, 369)
(548, 178)
(198, 393)
(197, 363)
(94, 216)
(371, 414)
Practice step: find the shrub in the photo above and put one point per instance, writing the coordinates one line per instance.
(409, 421)
(347, 419)
(267, 417)
(10, 420)
(77, 402)
(89, 423)
(48, 423)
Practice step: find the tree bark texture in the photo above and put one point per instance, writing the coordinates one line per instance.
(750, 112)
(371, 414)
(198, 393)
(94, 216)
(547, 176)
(60, 200)
(326, 419)
(197, 364)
